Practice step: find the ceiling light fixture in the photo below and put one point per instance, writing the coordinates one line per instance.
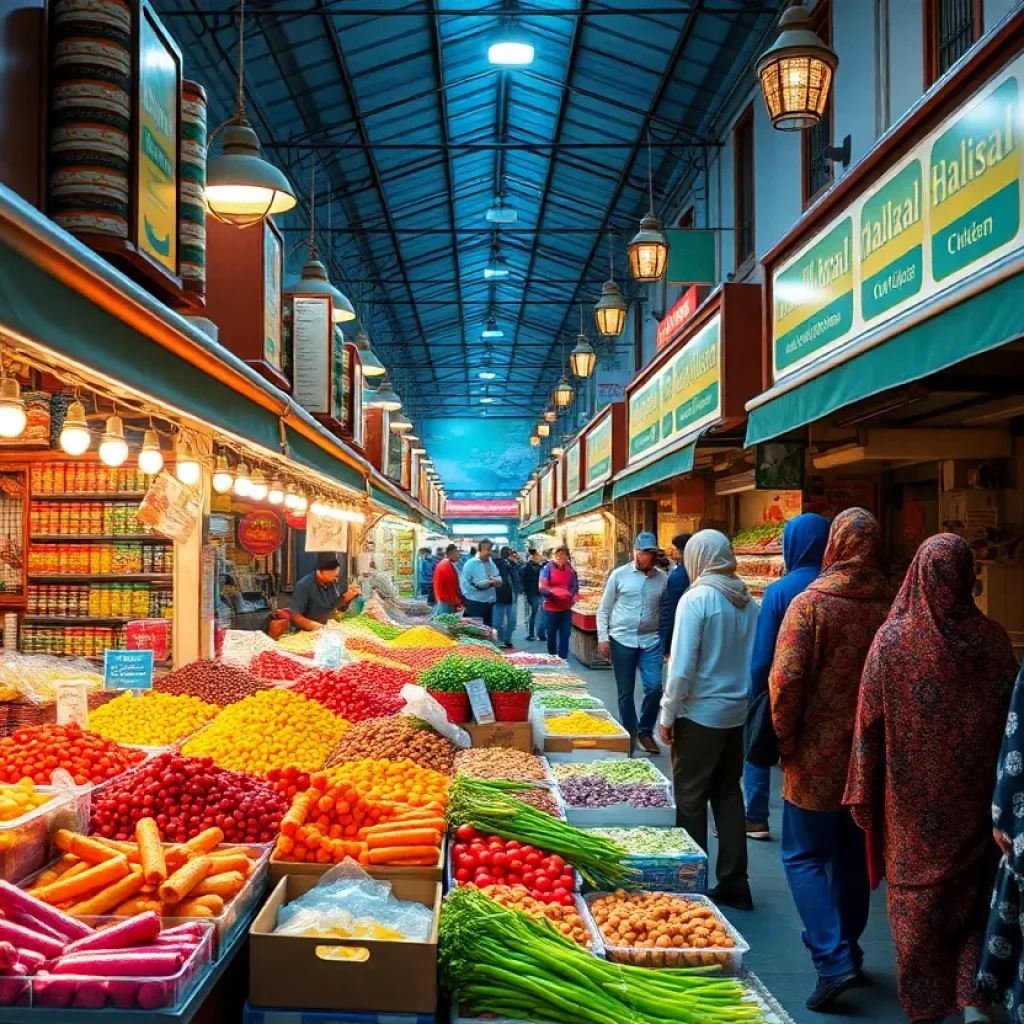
(557, 451)
(486, 400)
(487, 375)
(113, 446)
(509, 48)
(543, 429)
(610, 310)
(534, 440)
(241, 187)
(275, 495)
(372, 366)
(499, 213)
(497, 269)
(385, 398)
(74, 434)
(151, 458)
(648, 249)
(223, 478)
(186, 466)
(582, 358)
(551, 415)
(243, 484)
(796, 73)
(492, 330)
(258, 485)
(399, 423)
(564, 393)
(13, 417)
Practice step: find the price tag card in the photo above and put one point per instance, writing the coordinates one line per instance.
(328, 650)
(480, 701)
(128, 670)
(72, 702)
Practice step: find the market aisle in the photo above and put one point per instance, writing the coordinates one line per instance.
(773, 930)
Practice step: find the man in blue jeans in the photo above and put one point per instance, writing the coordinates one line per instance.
(628, 620)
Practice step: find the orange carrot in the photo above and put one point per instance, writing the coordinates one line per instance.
(417, 837)
(112, 896)
(205, 841)
(96, 877)
(226, 884)
(184, 880)
(388, 854)
(137, 905)
(151, 851)
(231, 862)
(83, 847)
(130, 850)
(436, 824)
(299, 811)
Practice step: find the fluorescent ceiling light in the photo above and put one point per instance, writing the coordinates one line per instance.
(487, 375)
(509, 48)
(499, 213)
(492, 330)
(496, 270)
(486, 400)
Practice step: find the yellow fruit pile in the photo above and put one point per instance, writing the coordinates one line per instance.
(302, 642)
(20, 799)
(579, 723)
(271, 729)
(152, 720)
(422, 636)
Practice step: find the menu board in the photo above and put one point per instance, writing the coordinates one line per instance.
(311, 345)
(272, 352)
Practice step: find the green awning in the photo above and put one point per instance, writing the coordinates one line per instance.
(679, 461)
(388, 500)
(982, 322)
(530, 529)
(587, 503)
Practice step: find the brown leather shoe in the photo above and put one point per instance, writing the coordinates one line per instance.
(648, 743)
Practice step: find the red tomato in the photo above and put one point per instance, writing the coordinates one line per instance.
(463, 875)
(556, 861)
(485, 857)
(496, 839)
(465, 833)
(467, 861)
(495, 846)
(532, 860)
(512, 844)
(459, 849)
(567, 901)
(553, 873)
(529, 877)
(499, 873)
(484, 880)
(515, 864)
(512, 879)
(567, 882)
(543, 883)
(500, 859)
(559, 893)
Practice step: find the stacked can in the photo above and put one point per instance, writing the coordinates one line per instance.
(192, 226)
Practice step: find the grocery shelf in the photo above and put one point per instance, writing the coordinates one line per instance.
(75, 620)
(111, 538)
(109, 577)
(89, 496)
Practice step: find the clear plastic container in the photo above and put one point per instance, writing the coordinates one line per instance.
(682, 870)
(623, 814)
(730, 960)
(25, 841)
(91, 992)
(604, 715)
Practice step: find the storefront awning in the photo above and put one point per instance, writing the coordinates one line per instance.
(386, 500)
(537, 526)
(679, 461)
(588, 503)
(977, 324)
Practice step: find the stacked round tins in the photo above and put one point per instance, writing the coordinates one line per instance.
(192, 215)
(90, 116)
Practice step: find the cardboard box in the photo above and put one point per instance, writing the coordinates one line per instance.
(384, 872)
(394, 977)
(517, 735)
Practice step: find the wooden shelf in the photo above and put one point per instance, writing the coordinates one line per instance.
(56, 620)
(108, 577)
(113, 538)
(88, 496)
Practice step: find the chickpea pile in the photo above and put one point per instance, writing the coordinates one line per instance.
(660, 930)
(153, 720)
(566, 919)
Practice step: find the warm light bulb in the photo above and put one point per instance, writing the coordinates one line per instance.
(151, 459)
(243, 485)
(113, 447)
(291, 500)
(301, 503)
(258, 485)
(74, 435)
(223, 478)
(318, 508)
(13, 417)
(275, 495)
(186, 465)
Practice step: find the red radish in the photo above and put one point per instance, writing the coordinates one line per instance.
(122, 964)
(21, 937)
(13, 901)
(91, 994)
(133, 932)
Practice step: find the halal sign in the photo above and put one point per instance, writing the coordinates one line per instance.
(261, 533)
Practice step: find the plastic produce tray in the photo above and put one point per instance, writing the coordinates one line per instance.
(257, 1015)
(731, 960)
(449, 874)
(582, 746)
(623, 815)
(71, 991)
(682, 871)
(25, 841)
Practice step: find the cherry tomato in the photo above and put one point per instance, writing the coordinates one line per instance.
(465, 833)
(515, 864)
(463, 875)
(559, 893)
(483, 880)
(567, 882)
(532, 860)
(485, 857)
(543, 883)
(556, 862)
(529, 877)
(500, 859)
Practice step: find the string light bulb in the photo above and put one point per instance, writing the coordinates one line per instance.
(151, 459)
(186, 466)
(223, 478)
(243, 484)
(13, 417)
(113, 446)
(301, 503)
(275, 495)
(74, 434)
(291, 499)
(258, 485)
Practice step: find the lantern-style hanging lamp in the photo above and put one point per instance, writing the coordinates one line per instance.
(400, 423)
(796, 73)
(582, 358)
(372, 366)
(535, 440)
(564, 393)
(610, 310)
(551, 415)
(648, 250)
(242, 188)
(223, 478)
(113, 446)
(385, 398)
(543, 429)
(74, 434)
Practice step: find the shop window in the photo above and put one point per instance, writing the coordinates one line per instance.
(951, 28)
(816, 168)
(743, 178)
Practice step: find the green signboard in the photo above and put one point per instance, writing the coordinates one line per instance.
(691, 256)
(572, 471)
(599, 452)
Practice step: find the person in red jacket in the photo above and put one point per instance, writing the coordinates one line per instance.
(446, 583)
(559, 585)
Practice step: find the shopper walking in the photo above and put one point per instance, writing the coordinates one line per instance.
(627, 632)
(678, 581)
(559, 585)
(531, 591)
(803, 548)
(504, 616)
(815, 678)
(425, 567)
(446, 583)
(479, 581)
(705, 705)
(933, 700)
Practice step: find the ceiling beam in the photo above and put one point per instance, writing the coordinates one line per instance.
(486, 147)
(348, 10)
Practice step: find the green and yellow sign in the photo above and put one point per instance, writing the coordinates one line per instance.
(599, 452)
(892, 242)
(974, 183)
(572, 470)
(684, 395)
(157, 149)
(272, 298)
(547, 492)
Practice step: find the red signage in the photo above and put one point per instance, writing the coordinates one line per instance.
(296, 520)
(676, 317)
(261, 533)
(495, 508)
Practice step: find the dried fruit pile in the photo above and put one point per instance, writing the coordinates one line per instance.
(397, 737)
(212, 681)
(276, 667)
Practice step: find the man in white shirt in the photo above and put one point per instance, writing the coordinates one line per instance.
(479, 581)
(627, 634)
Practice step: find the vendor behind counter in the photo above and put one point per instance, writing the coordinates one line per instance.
(315, 598)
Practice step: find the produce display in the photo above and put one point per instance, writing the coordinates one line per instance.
(378, 811)
(560, 701)
(759, 540)
(563, 916)
(642, 840)
(21, 798)
(582, 723)
(53, 960)
(274, 666)
(558, 681)
(500, 763)
(186, 796)
(488, 807)
(37, 752)
(418, 658)
(271, 729)
(481, 861)
(211, 681)
(396, 738)
(495, 960)
(594, 791)
(655, 929)
(152, 720)
(422, 636)
(35, 677)
(612, 769)
(97, 877)
(356, 692)
(526, 658)
(541, 798)
(371, 625)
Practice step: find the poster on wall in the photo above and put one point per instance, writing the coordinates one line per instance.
(311, 360)
(613, 371)
(158, 87)
(325, 533)
(479, 455)
(572, 470)
(272, 352)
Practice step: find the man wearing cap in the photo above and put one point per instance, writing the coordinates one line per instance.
(628, 620)
(316, 597)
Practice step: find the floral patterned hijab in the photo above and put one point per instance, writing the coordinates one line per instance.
(852, 566)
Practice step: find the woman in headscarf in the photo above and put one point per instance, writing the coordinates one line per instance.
(933, 701)
(704, 705)
(813, 687)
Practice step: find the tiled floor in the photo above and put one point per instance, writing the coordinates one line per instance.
(773, 929)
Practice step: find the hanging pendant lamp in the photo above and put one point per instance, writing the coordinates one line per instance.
(564, 393)
(314, 280)
(582, 358)
(372, 366)
(242, 188)
(648, 250)
(610, 310)
(551, 415)
(543, 428)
